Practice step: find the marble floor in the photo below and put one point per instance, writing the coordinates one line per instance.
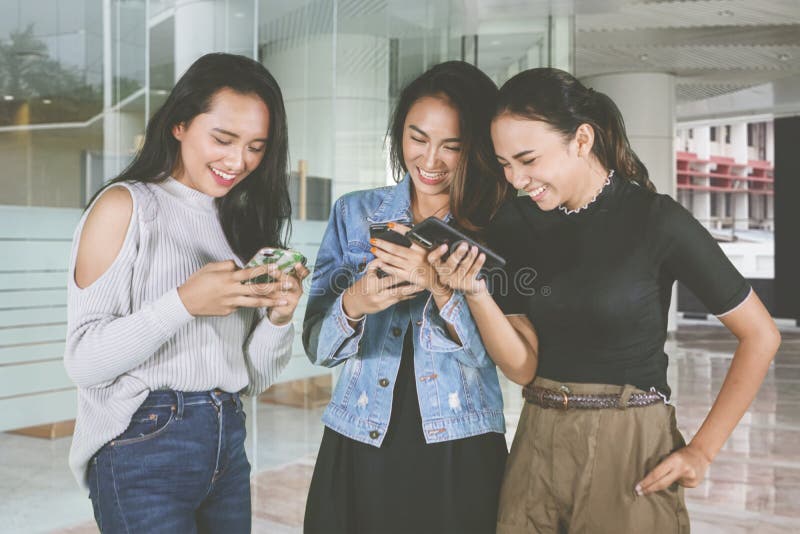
(752, 487)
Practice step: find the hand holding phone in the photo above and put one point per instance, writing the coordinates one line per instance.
(433, 232)
(284, 259)
(384, 232)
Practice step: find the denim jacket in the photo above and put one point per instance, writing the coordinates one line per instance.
(457, 385)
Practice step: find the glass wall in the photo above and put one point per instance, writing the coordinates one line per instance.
(79, 80)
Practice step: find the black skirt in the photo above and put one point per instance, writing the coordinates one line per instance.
(406, 485)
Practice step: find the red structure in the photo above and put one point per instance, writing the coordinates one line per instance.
(721, 174)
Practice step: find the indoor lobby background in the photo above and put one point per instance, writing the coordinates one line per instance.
(710, 91)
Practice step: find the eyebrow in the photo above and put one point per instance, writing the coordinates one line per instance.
(523, 153)
(236, 136)
(448, 140)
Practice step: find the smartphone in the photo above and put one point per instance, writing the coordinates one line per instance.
(433, 232)
(286, 259)
(382, 231)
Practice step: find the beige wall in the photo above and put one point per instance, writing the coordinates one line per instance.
(45, 168)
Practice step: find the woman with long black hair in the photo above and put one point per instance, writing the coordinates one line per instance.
(163, 335)
(593, 253)
(414, 430)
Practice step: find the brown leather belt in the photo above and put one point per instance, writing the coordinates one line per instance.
(564, 399)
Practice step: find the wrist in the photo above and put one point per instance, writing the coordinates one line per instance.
(701, 450)
(186, 300)
(278, 319)
(477, 296)
(350, 311)
(441, 291)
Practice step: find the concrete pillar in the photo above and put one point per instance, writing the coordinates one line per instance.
(647, 103)
(701, 204)
(203, 26)
(195, 32)
(337, 120)
(739, 152)
(770, 148)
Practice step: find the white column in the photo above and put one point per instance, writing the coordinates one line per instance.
(195, 32)
(701, 205)
(741, 200)
(770, 156)
(339, 129)
(647, 103)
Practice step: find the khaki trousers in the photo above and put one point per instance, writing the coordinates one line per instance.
(574, 471)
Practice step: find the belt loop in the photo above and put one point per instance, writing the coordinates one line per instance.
(625, 396)
(237, 401)
(179, 397)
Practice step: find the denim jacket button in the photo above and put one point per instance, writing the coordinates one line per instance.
(374, 434)
(419, 323)
(383, 382)
(362, 266)
(396, 331)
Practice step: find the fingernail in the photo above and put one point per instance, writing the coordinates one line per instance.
(390, 225)
(283, 302)
(638, 490)
(372, 249)
(373, 240)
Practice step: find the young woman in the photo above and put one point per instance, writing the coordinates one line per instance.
(414, 432)
(593, 254)
(162, 334)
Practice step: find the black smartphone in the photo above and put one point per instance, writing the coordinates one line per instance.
(433, 232)
(382, 231)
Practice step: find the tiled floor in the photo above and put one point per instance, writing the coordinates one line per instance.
(752, 487)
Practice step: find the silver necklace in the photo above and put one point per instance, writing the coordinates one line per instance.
(581, 208)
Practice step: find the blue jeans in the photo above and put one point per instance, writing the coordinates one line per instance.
(179, 467)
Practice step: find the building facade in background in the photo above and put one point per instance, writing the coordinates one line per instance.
(79, 80)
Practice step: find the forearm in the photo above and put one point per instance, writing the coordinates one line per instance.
(328, 337)
(747, 371)
(266, 353)
(101, 346)
(513, 354)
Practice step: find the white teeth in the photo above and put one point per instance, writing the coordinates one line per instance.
(431, 176)
(223, 175)
(538, 191)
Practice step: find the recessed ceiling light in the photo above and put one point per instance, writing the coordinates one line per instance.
(783, 57)
(495, 42)
(8, 98)
(725, 13)
(161, 92)
(47, 101)
(643, 57)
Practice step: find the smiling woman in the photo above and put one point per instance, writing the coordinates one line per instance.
(418, 402)
(162, 333)
(221, 147)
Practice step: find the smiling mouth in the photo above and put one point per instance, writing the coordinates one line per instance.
(223, 175)
(538, 192)
(431, 176)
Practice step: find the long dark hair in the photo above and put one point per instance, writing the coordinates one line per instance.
(257, 211)
(559, 99)
(478, 187)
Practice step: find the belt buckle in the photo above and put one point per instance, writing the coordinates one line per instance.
(564, 390)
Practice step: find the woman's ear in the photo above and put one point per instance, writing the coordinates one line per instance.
(584, 138)
(179, 130)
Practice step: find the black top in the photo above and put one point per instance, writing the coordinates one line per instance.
(597, 284)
